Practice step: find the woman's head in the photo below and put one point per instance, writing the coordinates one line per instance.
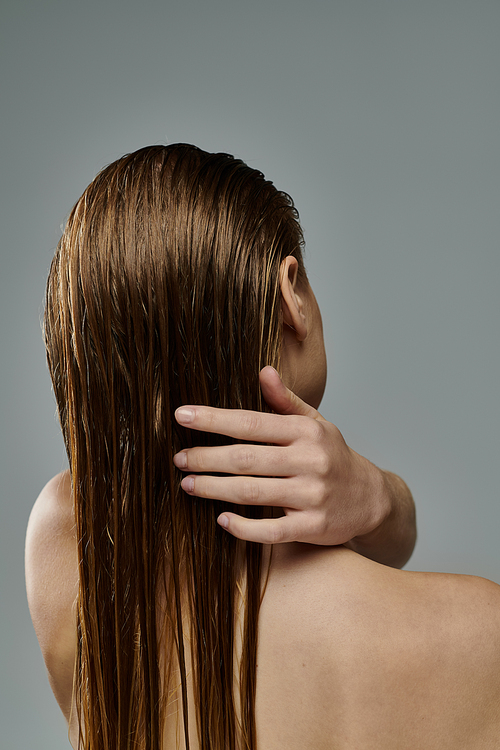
(167, 279)
(165, 289)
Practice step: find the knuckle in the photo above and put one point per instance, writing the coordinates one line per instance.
(314, 431)
(250, 422)
(250, 492)
(318, 494)
(245, 460)
(321, 464)
(209, 416)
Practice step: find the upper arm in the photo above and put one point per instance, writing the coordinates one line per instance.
(52, 583)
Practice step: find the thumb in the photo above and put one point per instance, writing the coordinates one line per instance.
(280, 398)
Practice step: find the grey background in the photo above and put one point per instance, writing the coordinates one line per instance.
(381, 119)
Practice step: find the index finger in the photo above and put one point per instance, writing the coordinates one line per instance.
(255, 426)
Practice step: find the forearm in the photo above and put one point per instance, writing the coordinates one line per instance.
(392, 541)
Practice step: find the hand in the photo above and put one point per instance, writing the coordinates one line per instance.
(328, 494)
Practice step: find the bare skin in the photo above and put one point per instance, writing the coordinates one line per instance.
(352, 655)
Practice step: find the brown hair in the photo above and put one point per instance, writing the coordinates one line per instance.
(164, 290)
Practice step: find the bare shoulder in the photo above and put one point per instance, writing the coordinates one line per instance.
(52, 582)
(342, 583)
(446, 655)
(463, 616)
(435, 612)
(412, 659)
(462, 612)
(50, 542)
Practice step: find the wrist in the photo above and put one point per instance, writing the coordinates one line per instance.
(393, 535)
(376, 500)
(374, 497)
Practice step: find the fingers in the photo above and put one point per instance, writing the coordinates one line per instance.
(246, 459)
(267, 530)
(280, 398)
(252, 425)
(246, 490)
(241, 424)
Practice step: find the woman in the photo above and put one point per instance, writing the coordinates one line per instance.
(178, 277)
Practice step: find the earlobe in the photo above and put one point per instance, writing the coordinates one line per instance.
(291, 300)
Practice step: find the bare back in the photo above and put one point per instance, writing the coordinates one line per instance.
(352, 655)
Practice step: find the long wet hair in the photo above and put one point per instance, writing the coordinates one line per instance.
(164, 290)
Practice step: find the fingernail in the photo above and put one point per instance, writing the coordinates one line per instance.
(223, 521)
(187, 484)
(181, 460)
(184, 416)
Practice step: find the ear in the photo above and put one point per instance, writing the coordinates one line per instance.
(291, 301)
